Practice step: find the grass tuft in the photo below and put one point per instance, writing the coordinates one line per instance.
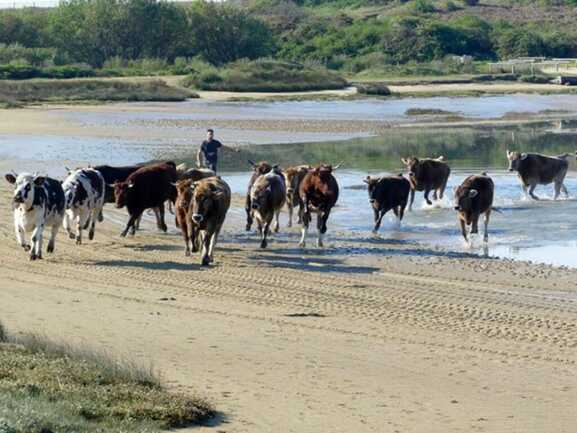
(47, 386)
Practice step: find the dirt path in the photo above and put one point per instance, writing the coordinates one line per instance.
(370, 335)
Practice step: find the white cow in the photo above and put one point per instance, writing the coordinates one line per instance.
(84, 192)
(38, 202)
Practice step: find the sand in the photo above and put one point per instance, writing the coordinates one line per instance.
(368, 335)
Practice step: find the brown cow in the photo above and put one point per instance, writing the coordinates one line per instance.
(293, 178)
(201, 208)
(147, 188)
(259, 169)
(195, 174)
(534, 169)
(473, 198)
(319, 192)
(267, 197)
(427, 175)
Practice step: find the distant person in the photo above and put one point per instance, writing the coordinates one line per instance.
(208, 153)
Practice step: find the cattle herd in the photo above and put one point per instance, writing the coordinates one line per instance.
(201, 199)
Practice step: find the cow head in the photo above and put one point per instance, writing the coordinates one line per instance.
(261, 167)
(514, 159)
(324, 171)
(464, 197)
(121, 193)
(293, 175)
(413, 166)
(204, 198)
(372, 186)
(24, 187)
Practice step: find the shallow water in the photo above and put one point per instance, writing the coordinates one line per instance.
(544, 231)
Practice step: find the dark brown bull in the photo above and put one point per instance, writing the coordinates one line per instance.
(319, 192)
(147, 188)
(293, 178)
(534, 169)
(473, 198)
(267, 197)
(427, 175)
(201, 209)
(386, 193)
(259, 169)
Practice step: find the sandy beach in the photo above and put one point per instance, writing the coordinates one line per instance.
(371, 334)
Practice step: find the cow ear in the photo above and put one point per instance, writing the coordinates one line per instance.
(339, 165)
(405, 161)
(508, 153)
(473, 193)
(367, 180)
(10, 178)
(524, 156)
(441, 158)
(39, 180)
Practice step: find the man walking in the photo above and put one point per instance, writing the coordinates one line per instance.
(208, 153)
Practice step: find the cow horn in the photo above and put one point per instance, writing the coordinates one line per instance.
(524, 156)
(252, 163)
(509, 152)
(473, 193)
(441, 158)
(67, 169)
(336, 167)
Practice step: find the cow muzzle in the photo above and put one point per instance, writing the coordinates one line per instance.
(372, 201)
(457, 208)
(290, 191)
(18, 199)
(255, 206)
(197, 218)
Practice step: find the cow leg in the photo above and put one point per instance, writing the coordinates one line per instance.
(186, 235)
(463, 229)
(564, 190)
(53, 233)
(130, 225)
(37, 234)
(531, 189)
(194, 236)
(100, 216)
(290, 209)
(137, 225)
(213, 239)
(306, 219)
(93, 218)
(378, 219)
(429, 202)
(487, 216)
(557, 190)
(162, 225)
(435, 196)
(276, 221)
(264, 231)
(248, 209)
(322, 218)
(21, 235)
(402, 211)
(412, 199)
(442, 189)
(397, 210)
(79, 225)
(205, 248)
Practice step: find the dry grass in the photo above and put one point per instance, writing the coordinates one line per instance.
(55, 387)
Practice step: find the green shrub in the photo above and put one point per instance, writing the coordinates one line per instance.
(266, 76)
(378, 89)
(537, 79)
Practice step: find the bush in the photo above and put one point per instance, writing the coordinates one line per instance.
(266, 76)
(378, 89)
(537, 79)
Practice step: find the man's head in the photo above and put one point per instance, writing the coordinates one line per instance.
(209, 134)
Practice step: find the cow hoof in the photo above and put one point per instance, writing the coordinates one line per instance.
(26, 247)
(100, 218)
(50, 249)
(248, 228)
(320, 245)
(205, 261)
(187, 253)
(123, 234)
(71, 235)
(33, 257)
(429, 202)
(302, 244)
(164, 229)
(90, 235)
(78, 241)
(263, 244)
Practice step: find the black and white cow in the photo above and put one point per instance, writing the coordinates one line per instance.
(84, 192)
(38, 202)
